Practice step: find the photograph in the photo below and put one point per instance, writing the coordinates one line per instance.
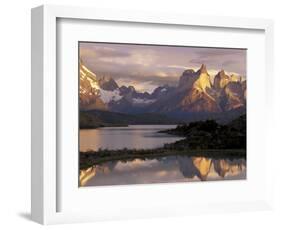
(154, 113)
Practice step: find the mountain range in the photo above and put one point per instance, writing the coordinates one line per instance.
(197, 93)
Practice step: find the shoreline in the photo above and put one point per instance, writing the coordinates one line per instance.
(123, 125)
(91, 158)
(201, 139)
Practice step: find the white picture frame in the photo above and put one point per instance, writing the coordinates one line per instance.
(45, 162)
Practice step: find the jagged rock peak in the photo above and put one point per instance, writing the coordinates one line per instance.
(203, 69)
(187, 79)
(108, 83)
(132, 88)
(221, 79)
(235, 78)
(188, 72)
(221, 73)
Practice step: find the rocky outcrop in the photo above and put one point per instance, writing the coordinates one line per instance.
(195, 93)
(89, 90)
(197, 99)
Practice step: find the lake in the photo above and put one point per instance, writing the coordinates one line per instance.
(163, 170)
(159, 170)
(131, 137)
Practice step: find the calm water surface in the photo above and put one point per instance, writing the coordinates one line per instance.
(163, 170)
(131, 137)
(160, 170)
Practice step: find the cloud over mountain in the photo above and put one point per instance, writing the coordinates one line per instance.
(151, 66)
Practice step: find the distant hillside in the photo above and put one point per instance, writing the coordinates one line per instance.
(220, 117)
(98, 118)
(88, 121)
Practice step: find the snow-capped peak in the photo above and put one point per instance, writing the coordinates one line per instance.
(108, 96)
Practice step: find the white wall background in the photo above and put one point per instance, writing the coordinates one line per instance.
(15, 112)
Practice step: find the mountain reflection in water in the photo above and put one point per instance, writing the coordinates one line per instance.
(163, 170)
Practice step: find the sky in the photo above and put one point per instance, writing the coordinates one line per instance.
(149, 66)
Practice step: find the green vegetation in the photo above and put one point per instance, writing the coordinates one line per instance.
(98, 118)
(210, 135)
(93, 121)
(89, 122)
(202, 138)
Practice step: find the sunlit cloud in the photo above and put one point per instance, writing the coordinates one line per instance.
(146, 86)
(146, 66)
(178, 67)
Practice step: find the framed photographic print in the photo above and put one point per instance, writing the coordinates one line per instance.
(148, 117)
(138, 114)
